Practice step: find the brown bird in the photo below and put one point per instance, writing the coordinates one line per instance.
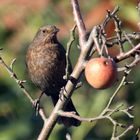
(46, 62)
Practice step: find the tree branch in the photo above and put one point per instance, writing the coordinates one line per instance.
(127, 54)
(20, 84)
(79, 21)
(69, 44)
(114, 40)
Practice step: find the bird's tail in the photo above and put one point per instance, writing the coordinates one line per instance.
(69, 108)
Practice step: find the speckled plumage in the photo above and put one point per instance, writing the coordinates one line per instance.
(46, 64)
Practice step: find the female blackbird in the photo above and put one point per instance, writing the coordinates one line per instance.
(46, 64)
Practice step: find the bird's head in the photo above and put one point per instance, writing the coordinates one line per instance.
(47, 33)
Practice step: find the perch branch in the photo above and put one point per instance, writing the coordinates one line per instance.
(70, 86)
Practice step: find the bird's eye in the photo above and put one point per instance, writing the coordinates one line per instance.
(44, 31)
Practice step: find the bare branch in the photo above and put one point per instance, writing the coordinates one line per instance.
(114, 40)
(96, 40)
(118, 32)
(109, 16)
(127, 54)
(129, 40)
(113, 96)
(69, 44)
(79, 21)
(126, 130)
(20, 84)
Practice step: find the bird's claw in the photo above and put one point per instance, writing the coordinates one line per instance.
(36, 105)
(61, 94)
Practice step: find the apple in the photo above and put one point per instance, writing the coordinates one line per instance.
(101, 73)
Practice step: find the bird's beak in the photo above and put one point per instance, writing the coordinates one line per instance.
(56, 30)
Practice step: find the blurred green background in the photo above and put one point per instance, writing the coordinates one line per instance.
(20, 19)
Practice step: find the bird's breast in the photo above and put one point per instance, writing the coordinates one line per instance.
(45, 68)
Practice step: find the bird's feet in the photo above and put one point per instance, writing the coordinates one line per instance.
(36, 103)
(61, 94)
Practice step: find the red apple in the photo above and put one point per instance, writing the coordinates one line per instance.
(101, 73)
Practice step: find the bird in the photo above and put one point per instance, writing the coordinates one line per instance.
(46, 64)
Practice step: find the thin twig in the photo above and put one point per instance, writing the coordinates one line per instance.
(20, 84)
(127, 54)
(113, 96)
(124, 132)
(96, 40)
(79, 21)
(118, 32)
(69, 44)
(114, 133)
(126, 111)
(131, 65)
(129, 40)
(102, 34)
(114, 40)
(109, 16)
